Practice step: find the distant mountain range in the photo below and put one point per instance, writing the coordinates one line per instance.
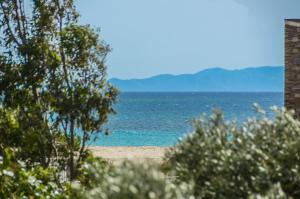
(259, 79)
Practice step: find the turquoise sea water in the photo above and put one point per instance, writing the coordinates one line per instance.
(160, 119)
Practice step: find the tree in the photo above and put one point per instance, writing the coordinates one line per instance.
(52, 71)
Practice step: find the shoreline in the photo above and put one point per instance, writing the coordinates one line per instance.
(117, 154)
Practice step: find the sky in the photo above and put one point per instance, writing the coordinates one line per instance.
(151, 37)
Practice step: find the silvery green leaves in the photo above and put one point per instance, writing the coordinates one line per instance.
(129, 181)
(225, 160)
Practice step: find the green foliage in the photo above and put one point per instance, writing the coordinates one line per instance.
(93, 170)
(274, 193)
(25, 145)
(17, 181)
(128, 181)
(53, 78)
(224, 160)
(55, 98)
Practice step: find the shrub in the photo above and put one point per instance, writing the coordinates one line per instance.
(226, 160)
(26, 143)
(128, 181)
(17, 181)
(274, 193)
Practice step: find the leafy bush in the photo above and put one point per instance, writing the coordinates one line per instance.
(27, 143)
(274, 193)
(17, 181)
(225, 160)
(128, 181)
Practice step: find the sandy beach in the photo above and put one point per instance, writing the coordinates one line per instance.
(138, 154)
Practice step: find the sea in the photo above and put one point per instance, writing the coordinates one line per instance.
(163, 118)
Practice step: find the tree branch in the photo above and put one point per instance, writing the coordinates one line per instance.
(82, 148)
(18, 19)
(7, 23)
(23, 18)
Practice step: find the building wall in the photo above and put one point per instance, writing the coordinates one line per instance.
(292, 65)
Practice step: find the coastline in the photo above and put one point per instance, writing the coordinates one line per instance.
(117, 154)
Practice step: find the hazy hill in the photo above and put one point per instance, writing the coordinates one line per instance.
(260, 79)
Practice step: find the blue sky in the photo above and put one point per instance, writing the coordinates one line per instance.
(151, 37)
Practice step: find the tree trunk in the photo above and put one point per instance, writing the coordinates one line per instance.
(71, 163)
